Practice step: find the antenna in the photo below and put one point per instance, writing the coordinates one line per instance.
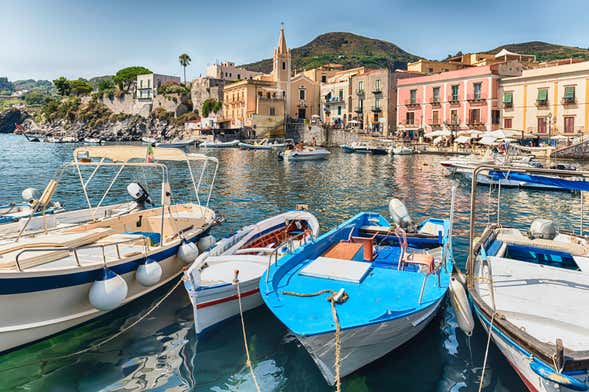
(281, 25)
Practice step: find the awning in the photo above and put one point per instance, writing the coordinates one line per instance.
(128, 153)
(542, 94)
(437, 133)
(569, 92)
(462, 139)
(488, 141)
(536, 179)
(508, 98)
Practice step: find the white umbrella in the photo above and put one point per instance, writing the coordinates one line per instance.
(462, 139)
(488, 140)
(505, 133)
(438, 140)
(437, 134)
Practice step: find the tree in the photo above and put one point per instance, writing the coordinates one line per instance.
(210, 106)
(35, 98)
(62, 85)
(105, 84)
(125, 77)
(80, 87)
(184, 62)
(217, 106)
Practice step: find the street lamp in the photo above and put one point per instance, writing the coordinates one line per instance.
(549, 124)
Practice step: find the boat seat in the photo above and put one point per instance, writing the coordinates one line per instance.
(345, 250)
(367, 244)
(574, 249)
(420, 259)
(336, 269)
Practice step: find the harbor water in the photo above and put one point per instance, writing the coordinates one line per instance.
(162, 352)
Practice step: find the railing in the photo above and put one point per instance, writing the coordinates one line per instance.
(265, 98)
(435, 102)
(411, 102)
(568, 100)
(541, 102)
(476, 99)
(74, 250)
(360, 93)
(377, 91)
(334, 100)
(453, 99)
(289, 242)
(507, 105)
(376, 109)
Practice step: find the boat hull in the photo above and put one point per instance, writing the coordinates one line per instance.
(363, 345)
(65, 304)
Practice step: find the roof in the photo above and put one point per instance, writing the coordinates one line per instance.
(127, 153)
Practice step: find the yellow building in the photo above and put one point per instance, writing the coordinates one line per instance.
(547, 100)
(468, 60)
(261, 102)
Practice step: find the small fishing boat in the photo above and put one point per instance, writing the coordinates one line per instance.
(529, 289)
(34, 137)
(266, 144)
(14, 212)
(210, 279)
(384, 283)
(364, 148)
(304, 154)
(92, 140)
(176, 143)
(149, 140)
(61, 139)
(58, 277)
(402, 150)
(230, 144)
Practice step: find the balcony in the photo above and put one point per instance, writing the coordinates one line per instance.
(435, 102)
(475, 123)
(507, 105)
(453, 100)
(376, 109)
(411, 103)
(359, 109)
(377, 91)
(270, 99)
(336, 99)
(569, 100)
(434, 124)
(542, 103)
(360, 93)
(301, 104)
(476, 99)
(454, 124)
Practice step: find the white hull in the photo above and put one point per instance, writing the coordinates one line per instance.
(361, 346)
(234, 143)
(483, 179)
(175, 144)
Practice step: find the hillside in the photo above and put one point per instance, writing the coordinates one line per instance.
(348, 49)
(545, 51)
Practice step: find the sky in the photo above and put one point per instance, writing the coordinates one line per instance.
(45, 39)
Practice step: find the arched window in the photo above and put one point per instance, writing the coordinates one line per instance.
(284, 65)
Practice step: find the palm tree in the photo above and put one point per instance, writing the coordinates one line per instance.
(184, 62)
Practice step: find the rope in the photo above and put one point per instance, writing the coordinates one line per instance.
(248, 360)
(102, 343)
(338, 346)
(486, 352)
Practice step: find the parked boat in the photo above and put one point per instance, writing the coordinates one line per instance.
(61, 139)
(92, 140)
(363, 148)
(176, 143)
(385, 283)
(210, 279)
(266, 144)
(232, 143)
(402, 150)
(34, 137)
(467, 163)
(149, 140)
(59, 277)
(529, 290)
(14, 212)
(305, 154)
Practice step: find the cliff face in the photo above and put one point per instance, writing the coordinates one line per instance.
(11, 117)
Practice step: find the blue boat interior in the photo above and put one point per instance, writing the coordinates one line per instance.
(387, 286)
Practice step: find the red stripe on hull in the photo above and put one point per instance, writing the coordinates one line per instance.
(226, 299)
(526, 382)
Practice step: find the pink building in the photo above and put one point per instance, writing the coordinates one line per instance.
(455, 100)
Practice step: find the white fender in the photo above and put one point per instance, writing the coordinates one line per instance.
(187, 252)
(461, 306)
(108, 291)
(149, 273)
(206, 242)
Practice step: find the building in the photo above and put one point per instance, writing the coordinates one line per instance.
(433, 66)
(269, 98)
(229, 72)
(336, 97)
(205, 88)
(456, 100)
(148, 84)
(548, 100)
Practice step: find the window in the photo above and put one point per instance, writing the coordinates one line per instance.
(410, 118)
(341, 95)
(339, 110)
(284, 65)
(477, 90)
(377, 85)
(323, 79)
(569, 124)
(272, 111)
(377, 103)
(542, 98)
(454, 117)
(569, 94)
(302, 94)
(361, 85)
(238, 76)
(455, 90)
(541, 124)
(268, 95)
(495, 117)
(436, 94)
(475, 116)
(141, 84)
(430, 70)
(508, 99)
(435, 117)
(508, 123)
(413, 96)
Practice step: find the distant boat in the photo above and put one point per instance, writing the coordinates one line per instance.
(232, 143)
(92, 140)
(175, 143)
(61, 139)
(33, 137)
(364, 148)
(402, 150)
(306, 154)
(149, 140)
(265, 144)
(209, 280)
(385, 284)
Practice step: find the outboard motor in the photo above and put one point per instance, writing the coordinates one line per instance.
(543, 229)
(139, 194)
(30, 195)
(400, 215)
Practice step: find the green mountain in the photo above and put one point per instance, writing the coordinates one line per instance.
(545, 51)
(348, 49)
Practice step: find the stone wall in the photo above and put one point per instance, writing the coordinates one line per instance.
(128, 105)
(322, 136)
(170, 103)
(203, 89)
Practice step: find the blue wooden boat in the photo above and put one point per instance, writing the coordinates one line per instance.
(385, 284)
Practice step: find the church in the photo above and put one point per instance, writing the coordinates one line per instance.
(264, 101)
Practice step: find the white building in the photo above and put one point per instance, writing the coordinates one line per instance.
(148, 84)
(229, 72)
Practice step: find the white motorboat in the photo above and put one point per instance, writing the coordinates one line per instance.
(230, 144)
(56, 278)
(176, 143)
(266, 144)
(467, 163)
(149, 140)
(402, 150)
(305, 154)
(14, 212)
(530, 291)
(210, 279)
(92, 140)
(61, 139)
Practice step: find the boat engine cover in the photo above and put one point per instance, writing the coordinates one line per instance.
(399, 214)
(139, 194)
(544, 229)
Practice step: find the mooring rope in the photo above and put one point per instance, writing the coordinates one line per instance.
(93, 347)
(486, 352)
(248, 360)
(338, 347)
